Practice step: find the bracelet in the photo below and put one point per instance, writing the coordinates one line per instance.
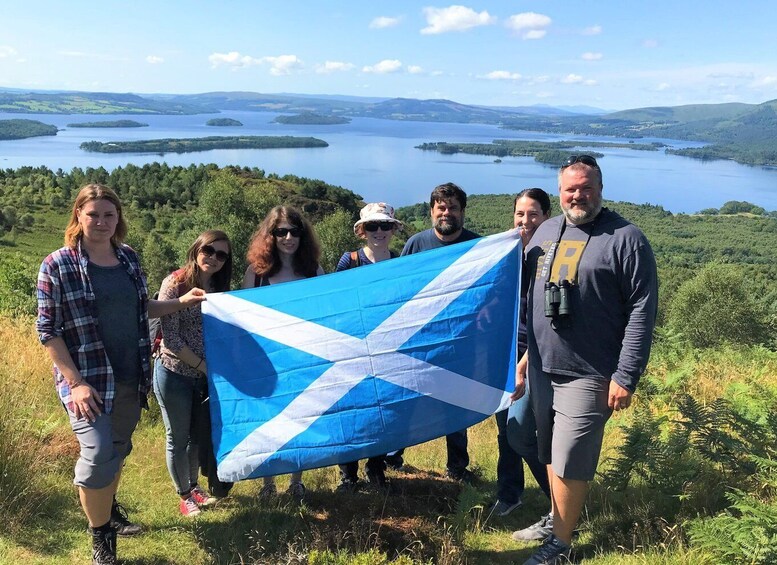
(198, 364)
(79, 383)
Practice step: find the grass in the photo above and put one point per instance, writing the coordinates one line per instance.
(425, 519)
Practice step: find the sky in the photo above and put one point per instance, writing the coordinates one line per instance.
(609, 55)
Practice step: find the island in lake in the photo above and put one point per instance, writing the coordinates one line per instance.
(223, 122)
(21, 129)
(547, 152)
(203, 144)
(109, 124)
(311, 118)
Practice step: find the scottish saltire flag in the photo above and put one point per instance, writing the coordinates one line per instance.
(362, 362)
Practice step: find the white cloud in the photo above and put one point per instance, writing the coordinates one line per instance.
(414, 69)
(572, 79)
(503, 75)
(437, 73)
(590, 82)
(588, 56)
(663, 86)
(333, 67)
(454, 18)
(6, 51)
(382, 22)
(154, 60)
(232, 59)
(592, 30)
(764, 81)
(540, 79)
(384, 67)
(529, 25)
(281, 65)
(650, 43)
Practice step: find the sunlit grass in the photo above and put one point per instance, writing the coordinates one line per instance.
(426, 519)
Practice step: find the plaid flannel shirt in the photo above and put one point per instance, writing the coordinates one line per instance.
(67, 309)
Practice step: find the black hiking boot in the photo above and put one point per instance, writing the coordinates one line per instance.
(120, 521)
(104, 546)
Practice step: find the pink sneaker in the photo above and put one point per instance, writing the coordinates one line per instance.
(201, 497)
(188, 507)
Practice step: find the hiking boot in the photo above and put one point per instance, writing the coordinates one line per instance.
(202, 498)
(120, 521)
(267, 491)
(464, 476)
(297, 491)
(188, 507)
(538, 531)
(347, 486)
(552, 551)
(502, 509)
(377, 479)
(104, 547)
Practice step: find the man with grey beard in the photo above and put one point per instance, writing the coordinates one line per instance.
(447, 204)
(591, 313)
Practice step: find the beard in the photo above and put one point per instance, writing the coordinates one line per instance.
(447, 226)
(580, 215)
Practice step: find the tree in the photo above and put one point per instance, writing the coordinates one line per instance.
(237, 206)
(159, 260)
(335, 232)
(716, 306)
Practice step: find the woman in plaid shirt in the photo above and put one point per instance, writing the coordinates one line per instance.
(93, 311)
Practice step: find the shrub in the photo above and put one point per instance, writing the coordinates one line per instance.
(715, 307)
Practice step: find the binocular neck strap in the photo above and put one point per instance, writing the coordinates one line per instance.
(550, 256)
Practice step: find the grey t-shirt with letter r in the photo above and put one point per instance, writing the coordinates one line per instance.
(613, 299)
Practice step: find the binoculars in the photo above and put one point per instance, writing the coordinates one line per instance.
(557, 299)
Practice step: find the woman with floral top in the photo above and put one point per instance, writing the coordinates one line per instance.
(179, 379)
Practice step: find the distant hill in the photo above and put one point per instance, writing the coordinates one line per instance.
(88, 103)
(433, 111)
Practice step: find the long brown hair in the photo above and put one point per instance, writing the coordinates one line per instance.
(263, 253)
(89, 192)
(190, 272)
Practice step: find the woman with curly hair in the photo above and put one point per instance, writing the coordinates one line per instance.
(179, 379)
(284, 248)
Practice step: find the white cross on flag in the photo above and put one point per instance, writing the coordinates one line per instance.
(362, 362)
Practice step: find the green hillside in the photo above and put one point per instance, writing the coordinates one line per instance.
(688, 474)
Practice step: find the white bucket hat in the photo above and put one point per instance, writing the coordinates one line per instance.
(377, 212)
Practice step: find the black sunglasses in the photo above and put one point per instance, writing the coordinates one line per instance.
(283, 232)
(209, 251)
(584, 159)
(382, 226)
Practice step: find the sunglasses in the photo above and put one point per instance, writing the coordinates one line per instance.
(584, 159)
(209, 251)
(375, 226)
(283, 232)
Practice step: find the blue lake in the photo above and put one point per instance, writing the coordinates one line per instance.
(378, 160)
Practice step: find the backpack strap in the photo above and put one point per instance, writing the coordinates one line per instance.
(355, 260)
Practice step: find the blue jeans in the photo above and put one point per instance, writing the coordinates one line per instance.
(517, 440)
(180, 398)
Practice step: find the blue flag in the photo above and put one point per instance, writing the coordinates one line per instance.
(362, 362)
